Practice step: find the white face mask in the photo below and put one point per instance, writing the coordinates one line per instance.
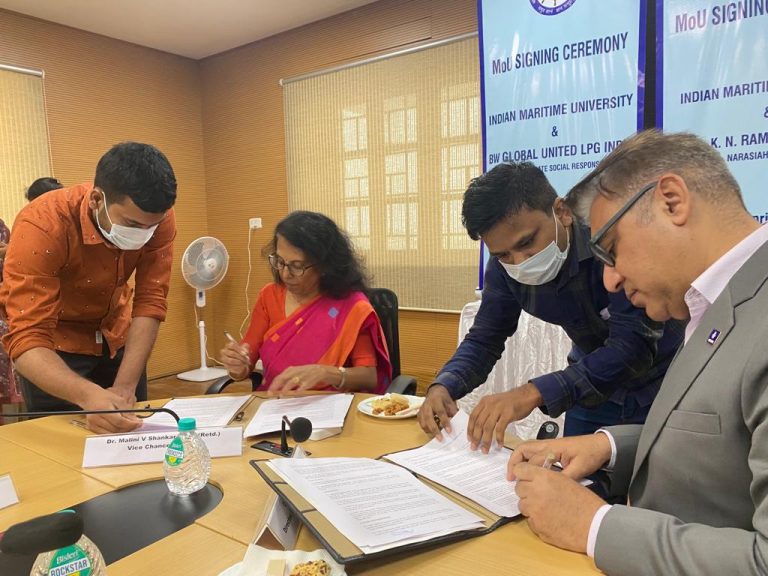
(125, 237)
(542, 267)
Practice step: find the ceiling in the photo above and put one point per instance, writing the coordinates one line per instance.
(192, 28)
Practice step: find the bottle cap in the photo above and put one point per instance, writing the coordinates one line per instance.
(43, 534)
(186, 424)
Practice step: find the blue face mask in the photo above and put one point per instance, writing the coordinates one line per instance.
(125, 237)
(542, 267)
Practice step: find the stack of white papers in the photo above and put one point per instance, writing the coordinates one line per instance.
(326, 412)
(451, 463)
(212, 412)
(376, 505)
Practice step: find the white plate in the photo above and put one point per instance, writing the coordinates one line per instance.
(366, 407)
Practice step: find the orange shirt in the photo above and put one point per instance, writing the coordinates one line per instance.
(269, 310)
(65, 287)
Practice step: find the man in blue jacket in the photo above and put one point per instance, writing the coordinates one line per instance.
(541, 263)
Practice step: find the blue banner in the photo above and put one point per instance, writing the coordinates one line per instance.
(562, 82)
(715, 83)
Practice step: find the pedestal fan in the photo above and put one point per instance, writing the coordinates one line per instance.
(204, 265)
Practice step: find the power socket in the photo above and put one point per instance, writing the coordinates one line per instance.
(254, 223)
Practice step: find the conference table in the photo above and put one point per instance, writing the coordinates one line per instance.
(44, 458)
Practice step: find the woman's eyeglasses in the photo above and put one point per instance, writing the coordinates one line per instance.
(294, 268)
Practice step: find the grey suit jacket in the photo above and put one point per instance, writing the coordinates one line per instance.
(699, 468)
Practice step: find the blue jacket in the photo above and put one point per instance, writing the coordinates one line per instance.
(617, 352)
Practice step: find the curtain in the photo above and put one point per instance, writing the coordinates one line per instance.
(386, 149)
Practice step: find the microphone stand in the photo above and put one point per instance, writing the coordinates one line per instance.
(284, 437)
(78, 412)
(300, 428)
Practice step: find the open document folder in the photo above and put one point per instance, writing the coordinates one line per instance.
(361, 508)
(375, 505)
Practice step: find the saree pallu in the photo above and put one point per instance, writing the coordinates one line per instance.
(9, 391)
(325, 332)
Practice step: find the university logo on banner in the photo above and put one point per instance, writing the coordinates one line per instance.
(551, 7)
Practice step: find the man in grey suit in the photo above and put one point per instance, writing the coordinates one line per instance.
(670, 225)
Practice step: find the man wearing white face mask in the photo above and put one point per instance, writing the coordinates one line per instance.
(543, 266)
(541, 263)
(79, 334)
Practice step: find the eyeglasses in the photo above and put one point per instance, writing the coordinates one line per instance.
(294, 268)
(603, 255)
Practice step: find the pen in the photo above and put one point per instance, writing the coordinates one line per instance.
(236, 343)
(548, 461)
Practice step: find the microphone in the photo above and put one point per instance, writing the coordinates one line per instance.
(301, 429)
(75, 412)
(42, 534)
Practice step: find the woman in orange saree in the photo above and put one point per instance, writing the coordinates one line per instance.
(313, 327)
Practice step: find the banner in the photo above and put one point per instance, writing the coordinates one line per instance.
(714, 82)
(562, 82)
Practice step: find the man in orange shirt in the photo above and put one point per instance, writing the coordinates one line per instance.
(74, 336)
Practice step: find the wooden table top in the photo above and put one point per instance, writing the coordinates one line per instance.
(44, 457)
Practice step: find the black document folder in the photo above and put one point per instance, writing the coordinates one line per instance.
(342, 549)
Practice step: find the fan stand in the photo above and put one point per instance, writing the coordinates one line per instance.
(204, 372)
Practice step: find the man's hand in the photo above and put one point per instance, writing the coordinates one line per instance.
(309, 377)
(101, 399)
(127, 393)
(236, 359)
(579, 455)
(438, 409)
(493, 414)
(559, 509)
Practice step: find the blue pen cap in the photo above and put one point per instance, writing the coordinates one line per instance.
(187, 424)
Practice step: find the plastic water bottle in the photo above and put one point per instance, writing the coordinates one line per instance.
(81, 557)
(187, 463)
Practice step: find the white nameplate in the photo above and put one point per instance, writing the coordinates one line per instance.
(138, 447)
(7, 492)
(279, 525)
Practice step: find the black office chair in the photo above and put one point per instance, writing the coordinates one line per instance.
(384, 302)
(221, 383)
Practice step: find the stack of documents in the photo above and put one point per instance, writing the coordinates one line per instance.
(374, 504)
(451, 463)
(210, 412)
(326, 412)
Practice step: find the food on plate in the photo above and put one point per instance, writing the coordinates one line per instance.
(390, 404)
(312, 568)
